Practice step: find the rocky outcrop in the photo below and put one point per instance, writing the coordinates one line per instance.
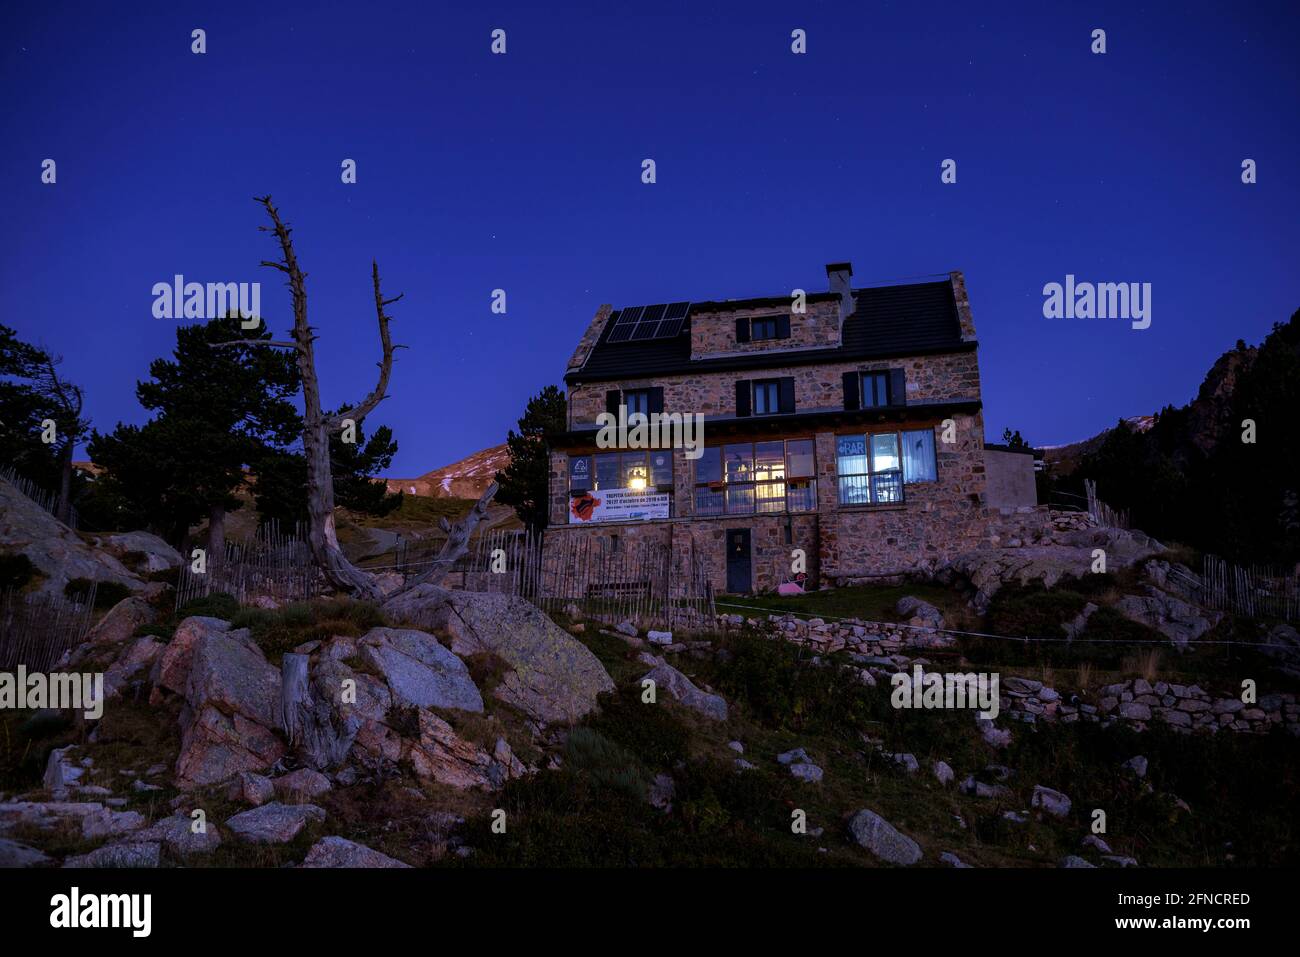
(984, 571)
(553, 677)
(1177, 620)
(418, 670)
(389, 723)
(56, 550)
(233, 698)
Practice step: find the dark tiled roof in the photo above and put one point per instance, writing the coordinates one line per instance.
(889, 321)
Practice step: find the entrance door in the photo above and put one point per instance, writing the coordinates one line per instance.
(739, 567)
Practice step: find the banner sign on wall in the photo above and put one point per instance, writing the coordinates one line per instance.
(618, 505)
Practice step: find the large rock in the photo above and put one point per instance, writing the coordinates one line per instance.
(340, 852)
(883, 839)
(56, 550)
(1177, 620)
(442, 755)
(273, 823)
(1053, 802)
(554, 677)
(231, 673)
(668, 678)
(143, 551)
(121, 621)
(172, 670)
(419, 671)
(234, 698)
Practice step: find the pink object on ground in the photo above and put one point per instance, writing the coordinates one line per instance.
(789, 588)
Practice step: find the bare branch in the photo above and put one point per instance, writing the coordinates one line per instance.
(377, 395)
(456, 544)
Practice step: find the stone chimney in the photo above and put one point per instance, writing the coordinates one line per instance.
(839, 275)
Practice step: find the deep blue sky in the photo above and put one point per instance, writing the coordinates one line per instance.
(523, 172)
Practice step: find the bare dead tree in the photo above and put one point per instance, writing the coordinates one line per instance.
(322, 535)
(457, 542)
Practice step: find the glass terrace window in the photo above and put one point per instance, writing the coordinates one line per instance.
(649, 471)
(767, 397)
(873, 467)
(634, 470)
(765, 477)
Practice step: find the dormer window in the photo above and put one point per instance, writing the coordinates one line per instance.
(761, 328)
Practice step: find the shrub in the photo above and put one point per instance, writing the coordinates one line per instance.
(107, 594)
(16, 571)
(280, 630)
(1033, 611)
(784, 692)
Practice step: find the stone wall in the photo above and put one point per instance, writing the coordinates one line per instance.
(1011, 480)
(878, 649)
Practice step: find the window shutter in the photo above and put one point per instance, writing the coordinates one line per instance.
(656, 399)
(612, 400)
(852, 390)
(742, 397)
(897, 387)
(787, 396)
(742, 330)
(783, 327)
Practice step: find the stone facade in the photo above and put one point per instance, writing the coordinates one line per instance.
(937, 519)
(713, 332)
(946, 377)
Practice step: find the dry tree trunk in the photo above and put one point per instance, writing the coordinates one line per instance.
(458, 536)
(322, 537)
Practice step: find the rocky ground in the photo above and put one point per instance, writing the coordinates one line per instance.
(450, 728)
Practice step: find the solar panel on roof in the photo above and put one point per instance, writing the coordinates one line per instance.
(674, 316)
(623, 325)
(640, 323)
(648, 327)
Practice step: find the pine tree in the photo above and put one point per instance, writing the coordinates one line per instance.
(525, 481)
(217, 411)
